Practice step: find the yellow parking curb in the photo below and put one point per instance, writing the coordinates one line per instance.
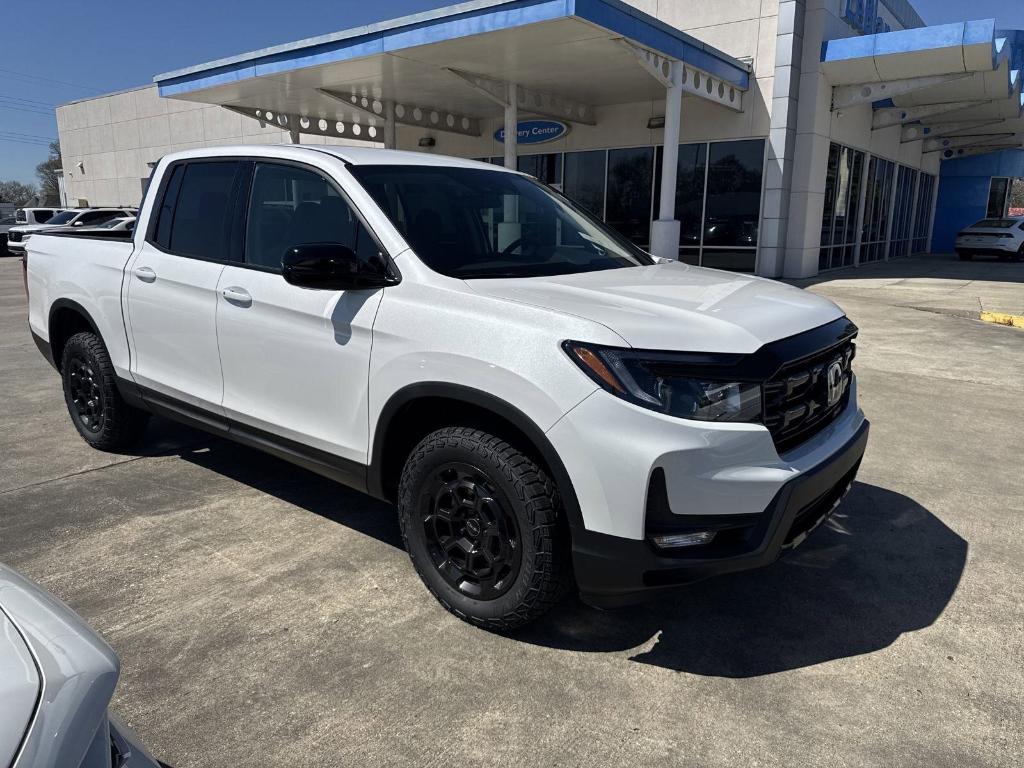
(1001, 318)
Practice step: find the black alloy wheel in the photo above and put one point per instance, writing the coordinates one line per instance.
(85, 394)
(473, 541)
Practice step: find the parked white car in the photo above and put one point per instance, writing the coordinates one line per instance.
(992, 237)
(84, 217)
(57, 677)
(31, 216)
(543, 401)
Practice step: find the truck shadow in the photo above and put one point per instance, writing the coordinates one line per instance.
(883, 567)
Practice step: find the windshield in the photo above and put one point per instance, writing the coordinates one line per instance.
(479, 223)
(63, 217)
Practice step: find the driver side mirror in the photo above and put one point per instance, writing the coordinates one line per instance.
(332, 267)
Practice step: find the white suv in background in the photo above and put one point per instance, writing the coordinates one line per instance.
(545, 403)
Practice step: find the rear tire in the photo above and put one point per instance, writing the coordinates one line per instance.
(481, 523)
(101, 416)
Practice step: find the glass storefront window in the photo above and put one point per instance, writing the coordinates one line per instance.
(877, 205)
(630, 180)
(584, 179)
(546, 168)
(902, 212)
(690, 175)
(923, 213)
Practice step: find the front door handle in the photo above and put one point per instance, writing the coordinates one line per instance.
(237, 296)
(145, 274)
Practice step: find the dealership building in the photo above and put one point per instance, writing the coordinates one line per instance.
(782, 137)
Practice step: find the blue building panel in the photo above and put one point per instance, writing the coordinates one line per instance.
(963, 191)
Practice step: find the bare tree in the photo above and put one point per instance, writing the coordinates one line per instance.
(46, 172)
(16, 192)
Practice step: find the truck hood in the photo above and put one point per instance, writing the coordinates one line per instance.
(674, 306)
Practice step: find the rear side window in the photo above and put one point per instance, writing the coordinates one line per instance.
(290, 206)
(97, 217)
(43, 216)
(194, 216)
(19, 216)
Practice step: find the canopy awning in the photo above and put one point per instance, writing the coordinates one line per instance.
(956, 87)
(444, 68)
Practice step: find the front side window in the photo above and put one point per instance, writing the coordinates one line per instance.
(97, 217)
(291, 206)
(477, 223)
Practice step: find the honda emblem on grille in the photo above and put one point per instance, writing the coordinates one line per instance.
(835, 382)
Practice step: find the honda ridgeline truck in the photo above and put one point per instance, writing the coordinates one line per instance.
(547, 405)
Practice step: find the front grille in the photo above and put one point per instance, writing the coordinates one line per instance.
(796, 399)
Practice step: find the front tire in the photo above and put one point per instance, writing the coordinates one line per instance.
(481, 523)
(101, 416)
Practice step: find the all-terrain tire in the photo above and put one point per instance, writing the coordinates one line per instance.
(101, 416)
(525, 495)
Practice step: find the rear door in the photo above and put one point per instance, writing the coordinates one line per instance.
(172, 282)
(296, 360)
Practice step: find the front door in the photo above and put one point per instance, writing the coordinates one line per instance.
(295, 360)
(172, 285)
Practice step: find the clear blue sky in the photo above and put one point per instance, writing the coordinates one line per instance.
(74, 49)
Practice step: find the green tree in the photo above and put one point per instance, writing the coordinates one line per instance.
(46, 172)
(16, 192)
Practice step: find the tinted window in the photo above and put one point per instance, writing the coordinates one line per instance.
(630, 181)
(584, 179)
(546, 168)
(61, 218)
(201, 213)
(994, 224)
(97, 217)
(44, 216)
(165, 214)
(290, 206)
(477, 223)
(734, 193)
(19, 215)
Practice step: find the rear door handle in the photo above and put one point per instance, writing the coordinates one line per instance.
(145, 274)
(237, 296)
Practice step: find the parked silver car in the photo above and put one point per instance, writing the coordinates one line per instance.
(56, 680)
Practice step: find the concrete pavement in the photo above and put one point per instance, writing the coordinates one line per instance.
(265, 616)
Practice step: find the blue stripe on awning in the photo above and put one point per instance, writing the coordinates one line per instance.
(438, 27)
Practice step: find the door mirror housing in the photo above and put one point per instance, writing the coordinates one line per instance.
(333, 267)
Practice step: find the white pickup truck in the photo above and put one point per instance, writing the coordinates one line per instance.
(546, 404)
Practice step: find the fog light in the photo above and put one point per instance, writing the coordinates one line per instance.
(675, 540)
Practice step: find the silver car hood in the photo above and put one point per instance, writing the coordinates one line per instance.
(19, 689)
(78, 671)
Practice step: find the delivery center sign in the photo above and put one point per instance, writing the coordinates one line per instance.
(535, 131)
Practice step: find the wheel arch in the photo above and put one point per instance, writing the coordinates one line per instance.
(67, 318)
(415, 410)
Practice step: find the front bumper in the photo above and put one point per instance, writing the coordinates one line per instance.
(611, 570)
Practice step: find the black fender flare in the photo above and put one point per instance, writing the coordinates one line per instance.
(485, 401)
(78, 309)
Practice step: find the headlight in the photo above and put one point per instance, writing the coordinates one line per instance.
(676, 384)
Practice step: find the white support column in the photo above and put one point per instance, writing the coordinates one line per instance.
(293, 136)
(511, 126)
(510, 229)
(665, 230)
(390, 130)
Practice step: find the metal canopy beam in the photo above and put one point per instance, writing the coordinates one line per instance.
(314, 126)
(407, 114)
(949, 154)
(917, 132)
(864, 93)
(527, 99)
(889, 116)
(937, 145)
(695, 82)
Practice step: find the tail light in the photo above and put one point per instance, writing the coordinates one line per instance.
(24, 271)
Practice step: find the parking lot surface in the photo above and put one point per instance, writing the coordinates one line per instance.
(265, 616)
